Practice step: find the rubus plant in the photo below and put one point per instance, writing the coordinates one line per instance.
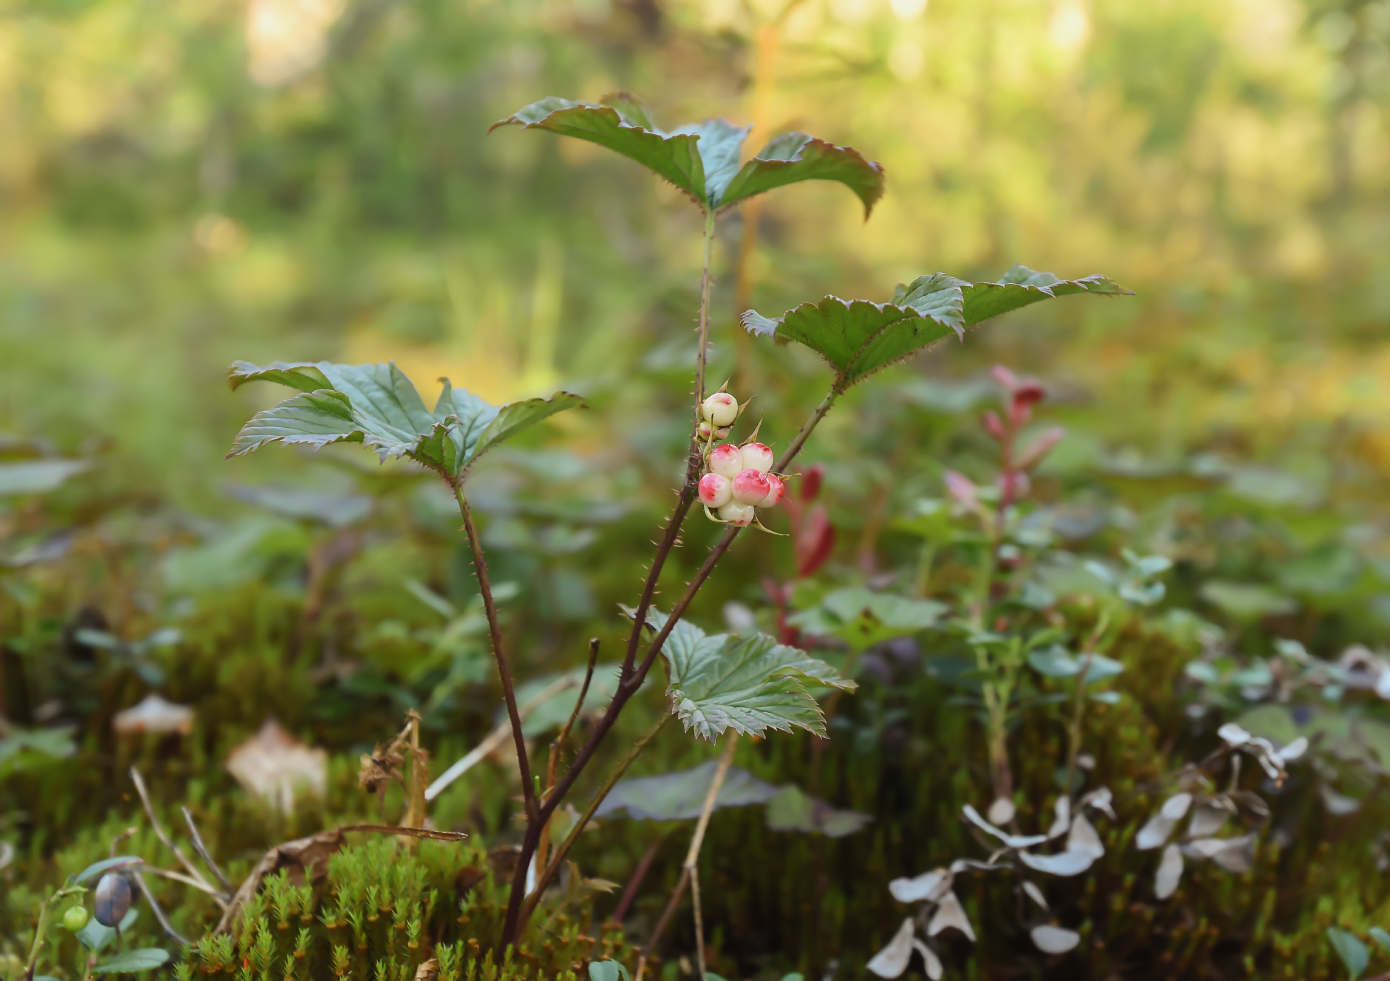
(715, 683)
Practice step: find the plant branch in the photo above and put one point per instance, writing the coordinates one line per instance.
(557, 745)
(631, 679)
(553, 867)
(689, 873)
(528, 792)
(694, 459)
(203, 852)
(157, 910)
(1079, 708)
(144, 793)
(644, 864)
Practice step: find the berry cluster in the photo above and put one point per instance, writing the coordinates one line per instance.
(738, 480)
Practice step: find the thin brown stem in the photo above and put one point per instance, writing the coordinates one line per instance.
(542, 851)
(528, 792)
(558, 746)
(631, 678)
(666, 915)
(203, 852)
(689, 867)
(157, 910)
(697, 841)
(644, 864)
(563, 850)
(159, 832)
(1079, 706)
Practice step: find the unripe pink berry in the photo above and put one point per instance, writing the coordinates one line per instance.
(750, 487)
(757, 457)
(715, 490)
(706, 431)
(738, 514)
(778, 488)
(726, 460)
(720, 409)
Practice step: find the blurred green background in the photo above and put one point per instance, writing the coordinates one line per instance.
(187, 183)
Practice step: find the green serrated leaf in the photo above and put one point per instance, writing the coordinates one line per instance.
(377, 404)
(130, 961)
(793, 157)
(859, 337)
(724, 682)
(1021, 287)
(702, 159)
(673, 157)
(719, 144)
(1351, 950)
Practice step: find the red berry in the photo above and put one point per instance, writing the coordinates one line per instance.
(776, 489)
(715, 490)
(750, 487)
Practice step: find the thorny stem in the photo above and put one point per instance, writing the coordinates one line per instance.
(632, 676)
(629, 680)
(557, 746)
(528, 794)
(563, 850)
(1078, 711)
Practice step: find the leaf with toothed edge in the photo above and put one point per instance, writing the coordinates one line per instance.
(859, 337)
(750, 685)
(793, 157)
(377, 405)
(702, 159)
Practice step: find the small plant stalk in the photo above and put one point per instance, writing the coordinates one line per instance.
(499, 651)
(563, 850)
(689, 869)
(1078, 712)
(632, 674)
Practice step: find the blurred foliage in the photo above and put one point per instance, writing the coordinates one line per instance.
(192, 183)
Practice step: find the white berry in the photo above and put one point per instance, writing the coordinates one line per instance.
(720, 409)
(757, 457)
(750, 487)
(715, 490)
(726, 460)
(737, 514)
